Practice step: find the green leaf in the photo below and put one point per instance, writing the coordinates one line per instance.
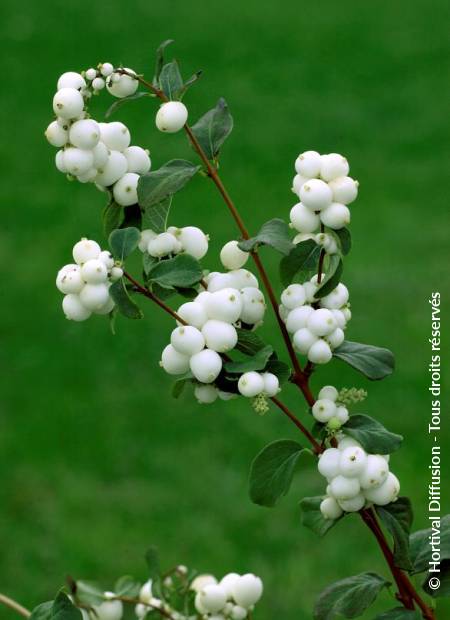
(213, 128)
(160, 61)
(42, 611)
(64, 609)
(372, 435)
(181, 271)
(444, 581)
(155, 216)
(272, 471)
(280, 369)
(125, 305)
(274, 233)
(373, 362)
(301, 261)
(349, 597)
(189, 82)
(112, 217)
(123, 242)
(157, 185)
(312, 518)
(121, 102)
(170, 80)
(152, 559)
(344, 239)
(127, 586)
(90, 593)
(419, 544)
(332, 276)
(248, 342)
(180, 384)
(399, 613)
(148, 262)
(398, 517)
(257, 362)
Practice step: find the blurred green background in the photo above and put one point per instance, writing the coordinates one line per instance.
(97, 460)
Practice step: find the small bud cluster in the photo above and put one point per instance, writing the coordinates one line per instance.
(317, 325)
(94, 152)
(350, 396)
(86, 282)
(355, 479)
(325, 189)
(233, 597)
(328, 409)
(190, 240)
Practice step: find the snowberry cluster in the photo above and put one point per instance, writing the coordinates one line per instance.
(325, 189)
(355, 479)
(86, 282)
(230, 300)
(94, 152)
(190, 240)
(210, 326)
(233, 597)
(317, 325)
(329, 409)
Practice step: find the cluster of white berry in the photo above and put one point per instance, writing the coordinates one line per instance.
(317, 325)
(229, 300)
(325, 189)
(355, 478)
(233, 597)
(94, 152)
(328, 409)
(86, 282)
(190, 240)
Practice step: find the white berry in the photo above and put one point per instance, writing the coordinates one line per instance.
(330, 509)
(316, 195)
(224, 305)
(94, 296)
(304, 339)
(193, 241)
(320, 352)
(56, 135)
(247, 590)
(251, 384)
(74, 309)
(171, 116)
(328, 464)
(308, 164)
(333, 166)
(336, 216)
(344, 488)
(293, 296)
(123, 86)
(187, 340)
(206, 365)
(71, 79)
(232, 257)
(174, 362)
(138, 159)
(297, 318)
(271, 384)
(344, 189)
(68, 103)
(323, 410)
(85, 250)
(253, 305)
(321, 322)
(205, 394)
(303, 219)
(125, 189)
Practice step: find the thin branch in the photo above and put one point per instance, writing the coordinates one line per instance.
(317, 447)
(14, 605)
(407, 591)
(147, 293)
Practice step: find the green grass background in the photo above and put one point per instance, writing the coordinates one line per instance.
(97, 460)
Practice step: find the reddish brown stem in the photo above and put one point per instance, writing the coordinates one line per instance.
(147, 293)
(316, 446)
(407, 592)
